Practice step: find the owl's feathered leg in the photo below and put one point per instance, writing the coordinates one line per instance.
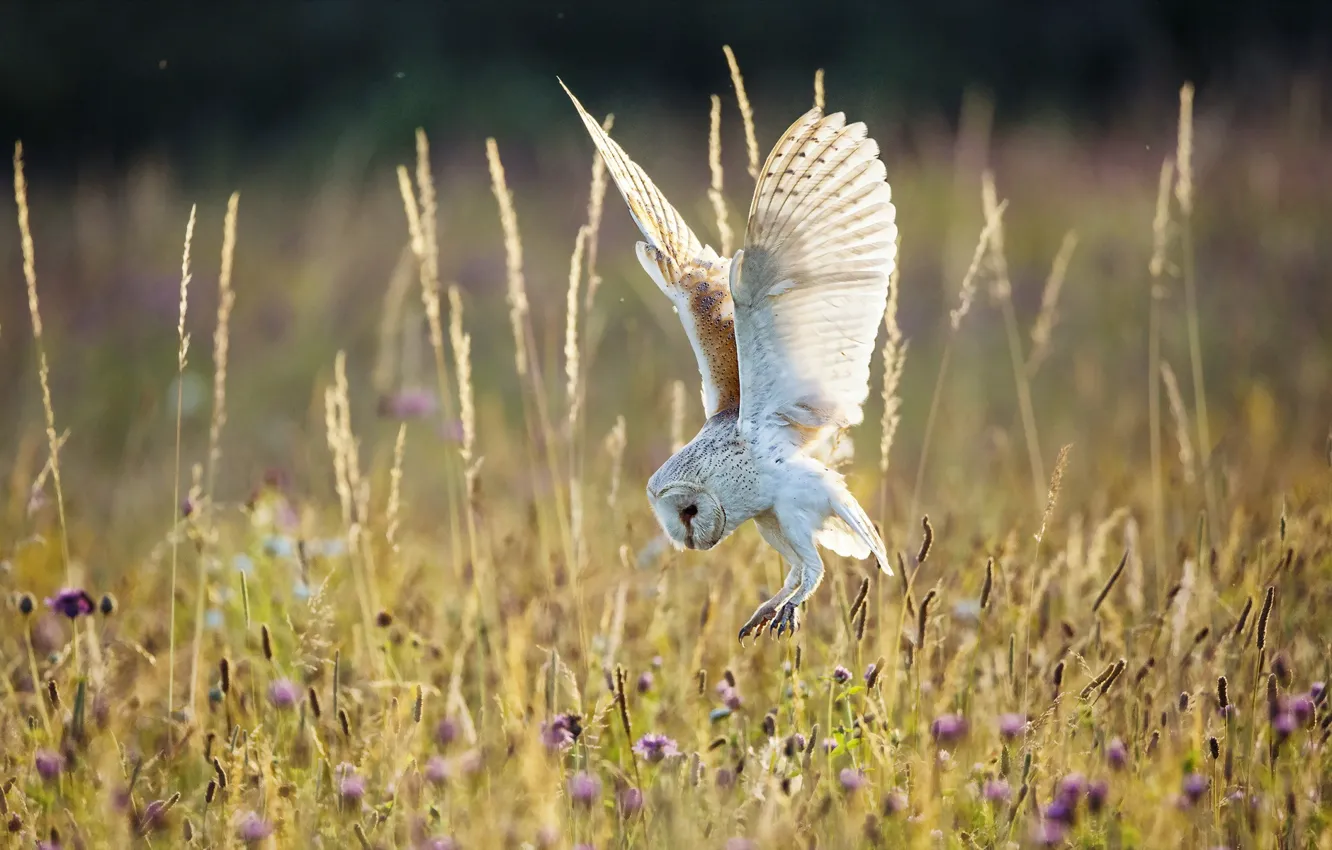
(767, 612)
(780, 614)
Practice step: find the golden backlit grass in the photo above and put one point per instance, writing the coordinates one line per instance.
(475, 638)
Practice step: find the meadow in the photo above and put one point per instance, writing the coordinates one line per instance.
(332, 532)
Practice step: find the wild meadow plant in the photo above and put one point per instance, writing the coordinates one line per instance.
(1136, 664)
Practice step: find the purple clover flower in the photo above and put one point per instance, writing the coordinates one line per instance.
(252, 829)
(644, 681)
(560, 732)
(997, 791)
(1072, 786)
(437, 770)
(630, 801)
(894, 802)
(1116, 754)
(1097, 794)
(49, 764)
(71, 602)
(1011, 725)
(446, 732)
(1194, 787)
(1048, 833)
(655, 748)
(1284, 724)
(283, 693)
(948, 729)
(351, 785)
(730, 696)
(841, 675)
(851, 780)
(1303, 709)
(407, 404)
(1062, 811)
(584, 788)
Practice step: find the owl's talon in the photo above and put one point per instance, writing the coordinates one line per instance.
(759, 621)
(787, 621)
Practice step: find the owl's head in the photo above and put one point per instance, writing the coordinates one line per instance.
(689, 514)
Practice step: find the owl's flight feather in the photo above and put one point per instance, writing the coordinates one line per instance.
(811, 284)
(687, 271)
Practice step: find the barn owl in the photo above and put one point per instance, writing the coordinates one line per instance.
(783, 333)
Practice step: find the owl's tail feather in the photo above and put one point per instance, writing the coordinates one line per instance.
(849, 511)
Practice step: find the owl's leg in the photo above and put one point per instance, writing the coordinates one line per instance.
(778, 614)
(811, 576)
(765, 613)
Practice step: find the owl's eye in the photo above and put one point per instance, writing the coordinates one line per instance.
(690, 512)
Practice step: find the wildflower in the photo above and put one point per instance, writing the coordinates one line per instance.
(26, 605)
(283, 693)
(108, 605)
(1062, 811)
(49, 764)
(1317, 691)
(1116, 754)
(1194, 787)
(725, 778)
(71, 602)
(948, 729)
(871, 674)
(645, 681)
(630, 801)
(437, 770)
(1303, 709)
(584, 788)
(1097, 793)
(407, 404)
(730, 696)
(655, 748)
(894, 802)
(1012, 725)
(851, 780)
(1284, 724)
(795, 745)
(841, 675)
(1072, 786)
(997, 791)
(351, 785)
(1048, 833)
(560, 732)
(445, 732)
(252, 829)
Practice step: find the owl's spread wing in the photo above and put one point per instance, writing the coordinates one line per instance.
(687, 271)
(811, 284)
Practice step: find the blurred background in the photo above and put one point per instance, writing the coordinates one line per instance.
(131, 112)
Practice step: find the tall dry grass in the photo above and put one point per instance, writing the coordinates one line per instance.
(537, 673)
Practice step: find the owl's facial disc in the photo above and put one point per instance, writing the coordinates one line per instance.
(690, 515)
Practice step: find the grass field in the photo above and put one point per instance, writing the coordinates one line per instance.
(366, 560)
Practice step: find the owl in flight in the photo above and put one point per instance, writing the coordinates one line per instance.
(783, 333)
